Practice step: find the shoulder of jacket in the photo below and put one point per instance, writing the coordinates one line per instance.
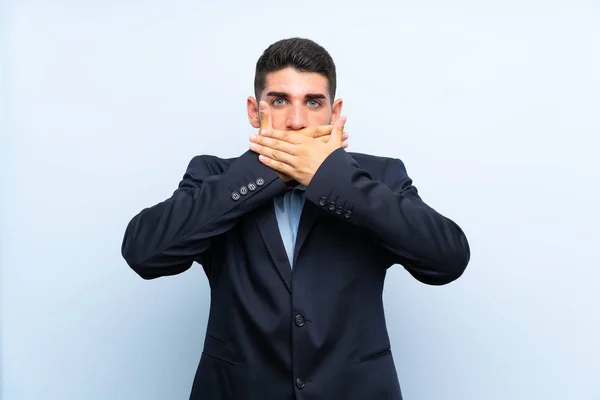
(371, 158)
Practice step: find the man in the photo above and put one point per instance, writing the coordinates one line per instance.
(295, 237)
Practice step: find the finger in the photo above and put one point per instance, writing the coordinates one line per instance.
(266, 123)
(316, 131)
(325, 139)
(273, 143)
(287, 136)
(336, 133)
(277, 155)
(345, 144)
(276, 165)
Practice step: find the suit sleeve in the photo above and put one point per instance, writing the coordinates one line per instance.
(430, 246)
(167, 238)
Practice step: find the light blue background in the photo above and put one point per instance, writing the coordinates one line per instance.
(495, 109)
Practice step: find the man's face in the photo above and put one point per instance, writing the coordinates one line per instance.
(297, 100)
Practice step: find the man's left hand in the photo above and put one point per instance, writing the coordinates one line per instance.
(294, 154)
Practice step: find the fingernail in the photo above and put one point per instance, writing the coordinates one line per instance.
(253, 138)
(262, 106)
(263, 132)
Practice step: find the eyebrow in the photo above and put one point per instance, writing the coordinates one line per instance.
(309, 96)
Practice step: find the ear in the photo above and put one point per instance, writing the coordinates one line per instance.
(336, 109)
(253, 115)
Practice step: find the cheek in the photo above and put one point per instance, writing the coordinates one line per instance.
(321, 117)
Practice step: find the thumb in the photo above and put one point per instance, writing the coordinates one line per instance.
(338, 129)
(265, 117)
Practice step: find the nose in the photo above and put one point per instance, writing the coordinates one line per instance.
(296, 118)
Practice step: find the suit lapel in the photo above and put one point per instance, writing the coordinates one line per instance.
(269, 230)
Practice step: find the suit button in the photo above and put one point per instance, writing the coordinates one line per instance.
(260, 181)
(252, 186)
(300, 383)
(243, 190)
(339, 211)
(331, 206)
(322, 201)
(348, 214)
(299, 320)
(235, 196)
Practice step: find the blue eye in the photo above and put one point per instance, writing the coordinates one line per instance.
(313, 103)
(278, 102)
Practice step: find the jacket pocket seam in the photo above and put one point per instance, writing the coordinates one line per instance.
(375, 355)
(220, 358)
(218, 339)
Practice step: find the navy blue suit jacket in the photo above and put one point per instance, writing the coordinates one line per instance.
(317, 331)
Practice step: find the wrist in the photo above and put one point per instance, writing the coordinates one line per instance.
(284, 177)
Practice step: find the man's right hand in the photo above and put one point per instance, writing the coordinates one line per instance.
(321, 133)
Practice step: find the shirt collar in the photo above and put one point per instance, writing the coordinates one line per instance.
(295, 185)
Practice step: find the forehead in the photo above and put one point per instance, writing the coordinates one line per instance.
(295, 83)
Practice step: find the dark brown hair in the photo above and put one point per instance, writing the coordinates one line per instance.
(303, 55)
